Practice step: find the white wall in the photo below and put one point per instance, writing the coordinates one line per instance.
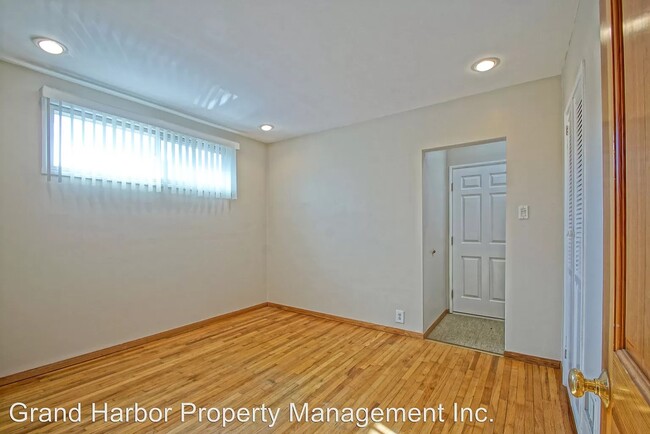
(84, 268)
(435, 200)
(345, 212)
(585, 46)
(481, 153)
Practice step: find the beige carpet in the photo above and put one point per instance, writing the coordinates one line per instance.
(483, 334)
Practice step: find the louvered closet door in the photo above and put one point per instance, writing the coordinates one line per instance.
(575, 228)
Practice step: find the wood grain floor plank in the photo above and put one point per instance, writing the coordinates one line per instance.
(276, 357)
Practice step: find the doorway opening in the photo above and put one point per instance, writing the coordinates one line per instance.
(464, 245)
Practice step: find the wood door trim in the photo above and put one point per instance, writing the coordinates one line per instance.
(51, 367)
(618, 131)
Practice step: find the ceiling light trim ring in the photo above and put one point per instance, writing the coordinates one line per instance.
(494, 60)
(56, 47)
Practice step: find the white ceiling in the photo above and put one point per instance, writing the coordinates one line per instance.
(301, 65)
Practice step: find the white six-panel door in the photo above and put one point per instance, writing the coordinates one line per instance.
(478, 228)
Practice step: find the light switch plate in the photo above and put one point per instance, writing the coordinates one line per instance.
(523, 212)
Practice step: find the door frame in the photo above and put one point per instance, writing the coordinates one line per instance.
(450, 246)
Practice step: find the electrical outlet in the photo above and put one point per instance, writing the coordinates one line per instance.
(399, 316)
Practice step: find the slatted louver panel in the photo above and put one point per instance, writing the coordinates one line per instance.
(579, 180)
(569, 196)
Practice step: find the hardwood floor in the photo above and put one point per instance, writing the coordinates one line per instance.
(274, 357)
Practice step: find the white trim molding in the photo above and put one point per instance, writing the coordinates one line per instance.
(120, 94)
(52, 93)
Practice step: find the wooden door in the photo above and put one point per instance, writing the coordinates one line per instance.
(479, 239)
(625, 37)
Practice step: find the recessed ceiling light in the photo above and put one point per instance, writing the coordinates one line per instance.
(485, 65)
(49, 45)
(266, 127)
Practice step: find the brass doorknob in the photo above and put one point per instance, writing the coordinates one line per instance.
(578, 385)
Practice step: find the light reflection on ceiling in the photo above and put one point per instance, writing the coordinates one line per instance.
(301, 66)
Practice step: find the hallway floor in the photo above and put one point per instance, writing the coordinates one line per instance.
(484, 334)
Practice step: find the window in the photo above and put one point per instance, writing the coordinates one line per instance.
(83, 143)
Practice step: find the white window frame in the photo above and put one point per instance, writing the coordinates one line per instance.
(48, 94)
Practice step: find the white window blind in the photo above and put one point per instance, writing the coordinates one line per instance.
(82, 143)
